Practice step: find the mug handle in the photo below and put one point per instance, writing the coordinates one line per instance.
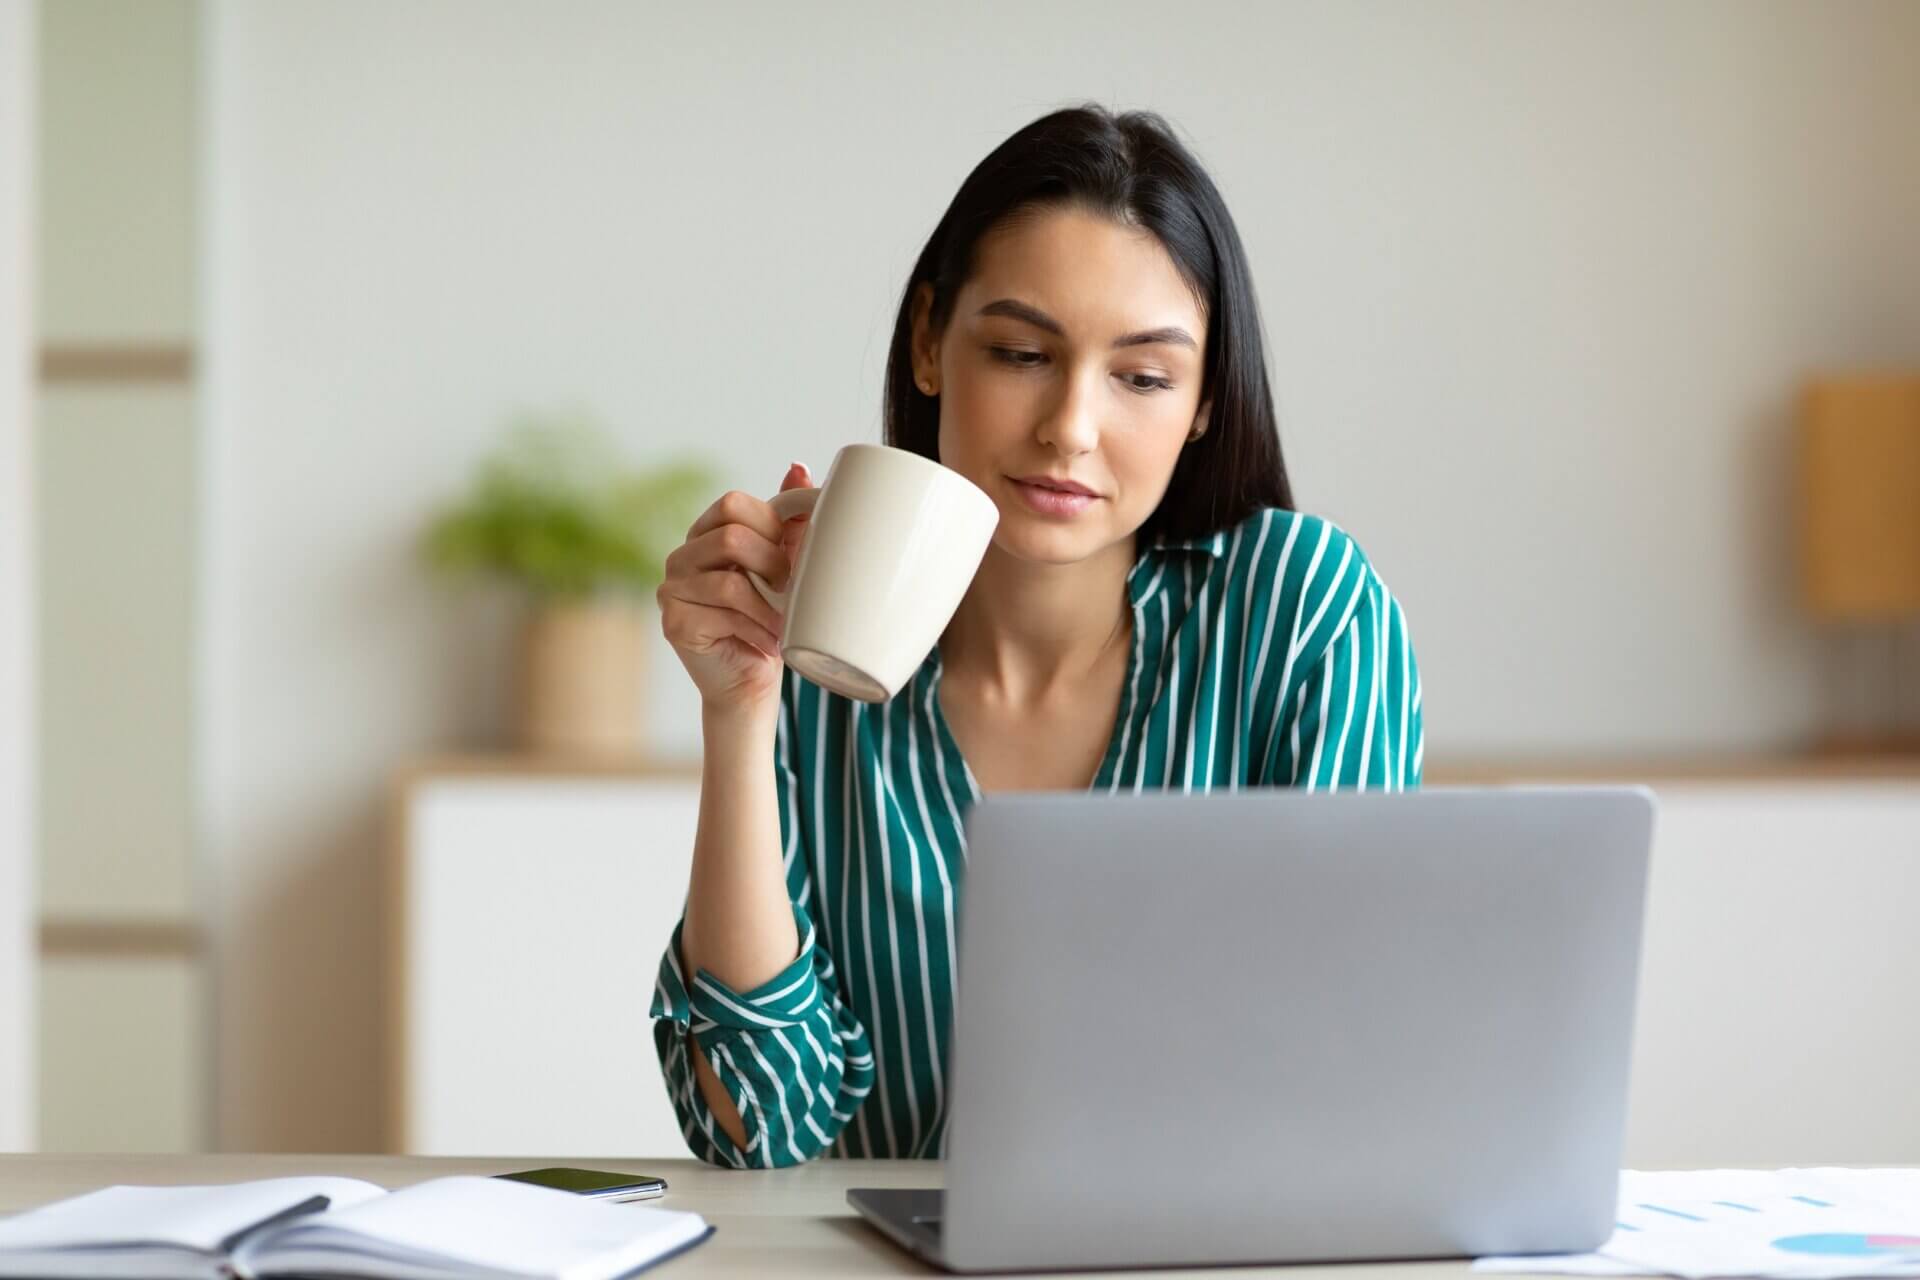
(787, 504)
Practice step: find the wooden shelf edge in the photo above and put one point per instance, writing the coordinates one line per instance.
(1456, 770)
(92, 363)
(1758, 767)
(480, 764)
(68, 937)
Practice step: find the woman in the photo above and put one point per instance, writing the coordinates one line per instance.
(1079, 338)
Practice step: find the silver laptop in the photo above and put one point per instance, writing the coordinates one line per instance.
(1273, 1026)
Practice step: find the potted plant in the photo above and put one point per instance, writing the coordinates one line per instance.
(558, 512)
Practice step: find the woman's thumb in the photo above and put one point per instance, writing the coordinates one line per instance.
(798, 477)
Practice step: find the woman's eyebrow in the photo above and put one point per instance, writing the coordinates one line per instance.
(1039, 319)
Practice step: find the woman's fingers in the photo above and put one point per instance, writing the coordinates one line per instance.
(740, 529)
(731, 546)
(700, 628)
(725, 590)
(725, 632)
(706, 602)
(735, 507)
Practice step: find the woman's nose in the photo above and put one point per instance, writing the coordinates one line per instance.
(1073, 426)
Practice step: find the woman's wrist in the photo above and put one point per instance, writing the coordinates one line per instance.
(723, 725)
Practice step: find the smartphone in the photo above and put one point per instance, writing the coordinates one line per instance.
(598, 1183)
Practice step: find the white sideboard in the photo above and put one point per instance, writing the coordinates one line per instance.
(531, 912)
(1777, 1021)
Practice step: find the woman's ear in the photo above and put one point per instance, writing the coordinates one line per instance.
(1201, 420)
(924, 346)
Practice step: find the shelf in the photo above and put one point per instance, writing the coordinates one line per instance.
(1462, 770)
(1757, 767)
(528, 764)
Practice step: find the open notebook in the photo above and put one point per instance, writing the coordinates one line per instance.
(464, 1228)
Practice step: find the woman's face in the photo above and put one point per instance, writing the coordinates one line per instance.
(1073, 358)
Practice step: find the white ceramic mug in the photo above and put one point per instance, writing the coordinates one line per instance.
(892, 544)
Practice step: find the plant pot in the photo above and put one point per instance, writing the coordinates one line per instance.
(582, 664)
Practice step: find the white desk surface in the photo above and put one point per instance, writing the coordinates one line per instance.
(783, 1222)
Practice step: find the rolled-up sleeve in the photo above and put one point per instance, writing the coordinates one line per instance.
(793, 1058)
(1354, 717)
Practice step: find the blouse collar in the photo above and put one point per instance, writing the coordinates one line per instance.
(1149, 576)
(1214, 544)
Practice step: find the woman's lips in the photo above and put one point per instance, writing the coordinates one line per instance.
(1049, 501)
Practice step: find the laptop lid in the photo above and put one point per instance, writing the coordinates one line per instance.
(1272, 1025)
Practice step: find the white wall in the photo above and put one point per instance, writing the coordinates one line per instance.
(1539, 283)
(17, 701)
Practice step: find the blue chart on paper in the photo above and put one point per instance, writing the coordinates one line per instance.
(1848, 1243)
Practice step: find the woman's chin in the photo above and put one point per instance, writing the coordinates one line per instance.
(1025, 537)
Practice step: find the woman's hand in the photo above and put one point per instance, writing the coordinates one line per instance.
(727, 635)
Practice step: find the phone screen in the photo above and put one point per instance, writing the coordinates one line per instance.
(592, 1182)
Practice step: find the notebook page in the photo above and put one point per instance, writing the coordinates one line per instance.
(198, 1217)
(492, 1225)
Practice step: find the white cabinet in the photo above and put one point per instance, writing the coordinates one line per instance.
(1780, 978)
(532, 911)
(1776, 1027)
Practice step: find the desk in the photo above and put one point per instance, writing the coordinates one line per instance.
(785, 1222)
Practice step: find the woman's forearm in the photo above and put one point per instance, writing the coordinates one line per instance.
(739, 921)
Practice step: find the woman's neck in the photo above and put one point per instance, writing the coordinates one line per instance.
(1024, 630)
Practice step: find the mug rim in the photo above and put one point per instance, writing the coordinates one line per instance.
(946, 472)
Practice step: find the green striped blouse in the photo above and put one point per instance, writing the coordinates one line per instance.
(1270, 654)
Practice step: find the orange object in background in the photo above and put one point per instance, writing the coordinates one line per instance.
(1860, 477)
(1860, 549)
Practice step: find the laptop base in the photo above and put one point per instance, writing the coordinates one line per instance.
(909, 1217)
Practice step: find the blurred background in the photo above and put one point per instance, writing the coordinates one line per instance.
(1626, 294)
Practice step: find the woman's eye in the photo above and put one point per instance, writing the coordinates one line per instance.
(1021, 358)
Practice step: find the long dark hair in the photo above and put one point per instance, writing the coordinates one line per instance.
(1131, 168)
